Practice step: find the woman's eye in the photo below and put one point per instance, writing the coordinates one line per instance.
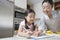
(48, 7)
(43, 7)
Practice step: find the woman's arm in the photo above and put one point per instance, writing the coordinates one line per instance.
(42, 26)
(37, 32)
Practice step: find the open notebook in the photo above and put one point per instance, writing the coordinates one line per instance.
(42, 36)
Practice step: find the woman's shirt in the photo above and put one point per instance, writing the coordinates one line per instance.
(48, 24)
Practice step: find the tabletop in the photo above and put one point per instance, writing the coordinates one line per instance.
(51, 37)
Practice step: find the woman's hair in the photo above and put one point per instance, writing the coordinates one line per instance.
(49, 1)
(28, 11)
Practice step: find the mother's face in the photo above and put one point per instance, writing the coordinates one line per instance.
(47, 8)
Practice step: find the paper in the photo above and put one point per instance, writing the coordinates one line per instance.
(44, 36)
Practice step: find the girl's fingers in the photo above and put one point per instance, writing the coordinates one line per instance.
(36, 34)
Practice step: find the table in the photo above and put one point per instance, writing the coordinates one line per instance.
(55, 37)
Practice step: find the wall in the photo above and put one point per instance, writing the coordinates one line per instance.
(38, 9)
(21, 3)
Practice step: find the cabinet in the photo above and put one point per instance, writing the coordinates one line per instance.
(57, 5)
(21, 4)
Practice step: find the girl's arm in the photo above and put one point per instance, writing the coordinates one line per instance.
(21, 32)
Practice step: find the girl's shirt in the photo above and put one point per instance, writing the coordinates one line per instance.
(24, 26)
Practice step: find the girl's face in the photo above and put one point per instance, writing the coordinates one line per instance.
(47, 8)
(30, 17)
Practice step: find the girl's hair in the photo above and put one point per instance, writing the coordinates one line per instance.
(49, 1)
(29, 11)
(26, 14)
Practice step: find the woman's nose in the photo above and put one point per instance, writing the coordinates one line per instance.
(45, 9)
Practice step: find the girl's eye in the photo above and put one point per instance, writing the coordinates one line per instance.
(31, 16)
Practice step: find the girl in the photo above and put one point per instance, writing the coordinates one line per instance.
(27, 27)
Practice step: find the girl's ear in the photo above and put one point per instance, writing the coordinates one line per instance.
(25, 17)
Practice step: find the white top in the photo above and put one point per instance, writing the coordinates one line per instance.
(42, 25)
(23, 23)
(52, 23)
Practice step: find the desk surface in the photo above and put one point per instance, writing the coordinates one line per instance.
(55, 37)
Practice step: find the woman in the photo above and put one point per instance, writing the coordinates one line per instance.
(48, 21)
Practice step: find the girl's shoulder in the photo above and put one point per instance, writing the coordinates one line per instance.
(22, 22)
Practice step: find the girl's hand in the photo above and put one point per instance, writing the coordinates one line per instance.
(29, 32)
(36, 33)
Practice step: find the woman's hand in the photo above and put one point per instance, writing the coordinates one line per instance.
(37, 33)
